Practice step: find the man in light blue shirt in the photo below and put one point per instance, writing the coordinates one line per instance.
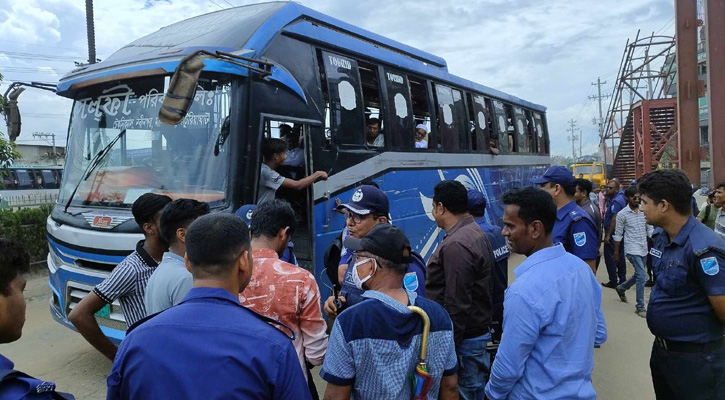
(552, 314)
(171, 280)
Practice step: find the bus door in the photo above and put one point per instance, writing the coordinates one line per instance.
(298, 164)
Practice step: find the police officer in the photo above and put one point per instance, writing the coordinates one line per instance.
(617, 269)
(501, 253)
(574, 228)
(368, 207)
(686, 308)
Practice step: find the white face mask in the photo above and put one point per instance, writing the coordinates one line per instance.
(356, 277)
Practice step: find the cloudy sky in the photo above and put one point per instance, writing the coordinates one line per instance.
(545, 51)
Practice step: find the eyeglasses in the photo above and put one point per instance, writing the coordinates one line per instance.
(356, 218)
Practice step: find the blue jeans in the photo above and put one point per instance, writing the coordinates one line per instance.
(616, 269)
(474, 367)
(640, 276)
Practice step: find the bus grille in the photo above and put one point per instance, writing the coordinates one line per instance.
(76, 291)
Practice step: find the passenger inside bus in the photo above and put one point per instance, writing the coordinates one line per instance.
(274, 152)
(375, 137)
(421, 137)
(295, 153)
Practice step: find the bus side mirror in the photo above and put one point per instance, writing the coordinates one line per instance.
(12, 113)
(181, 90)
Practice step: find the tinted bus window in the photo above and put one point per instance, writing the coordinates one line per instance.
(480, 121)
(503, 126)
(520, 129)
(421, 111)
(49, 179)
(530, 132)
(452, 119)
(401, 129)
(25, 180)
(541, 134)
(346, 104)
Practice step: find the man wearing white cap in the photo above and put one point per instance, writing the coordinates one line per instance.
(421, 133)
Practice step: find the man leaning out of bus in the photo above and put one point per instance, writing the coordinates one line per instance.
(14, 264)
(128, 280)
(274, 152)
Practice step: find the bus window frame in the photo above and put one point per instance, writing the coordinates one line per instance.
(482, 137)
(336, 138)
(409, 143)
(459, 137)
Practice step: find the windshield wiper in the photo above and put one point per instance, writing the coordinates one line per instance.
(95, 162)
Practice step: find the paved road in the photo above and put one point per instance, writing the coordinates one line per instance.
(57, 354)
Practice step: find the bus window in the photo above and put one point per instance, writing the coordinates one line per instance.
(421, 110)
(49, 181)
(503, 125)
(510, 130)
(452, 119)
(541, 134)
(479, 118)
(520, 130)
(375, 135)
(345, 97)
(530, 132)
(401, 130)
(25, 179)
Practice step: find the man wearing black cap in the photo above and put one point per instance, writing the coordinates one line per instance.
(368, 207)
(459, 279)
(375, 345)
(501, 253)
(128, 280)
(574, 228)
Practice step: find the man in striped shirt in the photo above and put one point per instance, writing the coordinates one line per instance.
(631, 225)
(127, 281)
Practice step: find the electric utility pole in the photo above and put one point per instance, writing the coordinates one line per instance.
(90, 30)
(43, 135)
(599, 98)
(572, 137)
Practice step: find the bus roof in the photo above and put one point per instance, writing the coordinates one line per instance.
(252, 28)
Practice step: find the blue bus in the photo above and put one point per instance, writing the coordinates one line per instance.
(277, 64)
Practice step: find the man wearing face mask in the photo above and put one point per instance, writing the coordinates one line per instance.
(375, 344)
(368, 208)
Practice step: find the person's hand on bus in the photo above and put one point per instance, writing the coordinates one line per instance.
(330, 308)
(321, 175)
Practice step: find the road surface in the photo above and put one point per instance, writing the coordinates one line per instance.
(50, 351)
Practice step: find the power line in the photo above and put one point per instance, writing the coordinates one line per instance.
(36, 45)
(212, 2)
(229, 3)
(37, 56)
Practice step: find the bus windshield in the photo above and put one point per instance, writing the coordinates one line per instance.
(178, 161)
(587, 169)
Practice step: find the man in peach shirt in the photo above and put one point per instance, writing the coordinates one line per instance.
(282, 291)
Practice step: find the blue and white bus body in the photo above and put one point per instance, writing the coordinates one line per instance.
(89, 238)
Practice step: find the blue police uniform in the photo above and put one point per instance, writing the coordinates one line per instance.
(501, 255)
(577, 231)
(688, 357)
(206, 347)
(413, 280)
(616, 269)
(16, 385)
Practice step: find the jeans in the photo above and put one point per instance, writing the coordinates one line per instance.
(615, 269)
(474, 367)
(640, 276)
(688, 376)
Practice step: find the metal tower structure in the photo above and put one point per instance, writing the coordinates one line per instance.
(641, 120)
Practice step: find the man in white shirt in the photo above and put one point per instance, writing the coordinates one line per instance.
(375, 137)
(421, 135)
(632, 227)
